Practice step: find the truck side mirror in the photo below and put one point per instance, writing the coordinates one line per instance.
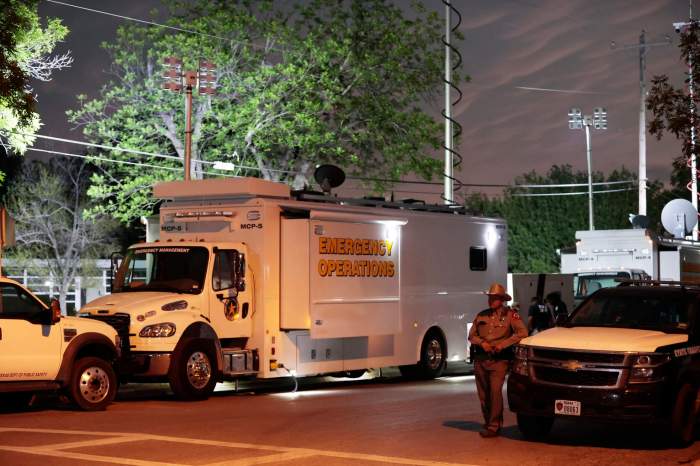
(55, 311)
(238, 271)
(115, 260)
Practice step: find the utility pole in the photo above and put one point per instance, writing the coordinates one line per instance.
(175, 79)
(643, 48)
(680, 27)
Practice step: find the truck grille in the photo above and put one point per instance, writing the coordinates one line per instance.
(121, 323)
(581, 378)
(581, 356)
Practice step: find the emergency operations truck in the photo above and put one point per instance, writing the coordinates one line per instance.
(250, 280)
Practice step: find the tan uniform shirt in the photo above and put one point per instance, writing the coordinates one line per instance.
(501, 328)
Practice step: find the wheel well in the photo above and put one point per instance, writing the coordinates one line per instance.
(97, 350)
(204, 332)
(435, 330)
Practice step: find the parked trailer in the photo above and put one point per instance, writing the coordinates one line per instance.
(250, 280)
(604, 256)
(525, 286)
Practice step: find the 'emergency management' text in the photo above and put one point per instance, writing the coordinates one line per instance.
(355, 247)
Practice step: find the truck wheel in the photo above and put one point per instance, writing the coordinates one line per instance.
(534, 427)
(432, 357)
(685, 414)
(193, 372)
(93, 384)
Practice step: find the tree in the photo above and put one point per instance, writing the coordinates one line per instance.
(672, 110)
(48, 203)
(25, 53)
(330, 81)
(538, 226)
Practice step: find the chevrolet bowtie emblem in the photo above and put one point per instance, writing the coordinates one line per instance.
(572, 365)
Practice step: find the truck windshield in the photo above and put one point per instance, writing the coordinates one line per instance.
(662, 313)
(588, 284)
(172, 269)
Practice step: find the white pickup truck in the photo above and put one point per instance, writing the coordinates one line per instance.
(40, 350)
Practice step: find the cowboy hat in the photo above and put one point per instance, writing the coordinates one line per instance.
(499, 290)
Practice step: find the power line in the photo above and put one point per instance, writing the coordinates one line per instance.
(573, 194)
(153, 23)
(137, 152)
(122, 162)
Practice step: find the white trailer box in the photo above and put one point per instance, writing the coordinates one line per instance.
(524, 286)
(311, 284)
(603, 256)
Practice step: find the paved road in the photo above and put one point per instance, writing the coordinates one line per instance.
(374, 422)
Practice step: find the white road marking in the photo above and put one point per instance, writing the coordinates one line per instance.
(266, 459)
(81, 456)
(89, 443)
(284, 453)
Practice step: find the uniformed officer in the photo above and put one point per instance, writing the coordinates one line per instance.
(493, 333)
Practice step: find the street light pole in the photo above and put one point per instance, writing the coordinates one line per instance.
(599, 120)
(591, 226)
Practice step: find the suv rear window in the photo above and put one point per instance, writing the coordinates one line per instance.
(664, 312)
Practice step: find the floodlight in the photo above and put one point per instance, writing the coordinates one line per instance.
(600, 118)
(172, 74)
(575, 118)
(207, 77)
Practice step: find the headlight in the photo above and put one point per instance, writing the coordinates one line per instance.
(646, 367)
(651, 359)
(165, 329)
(175, 306)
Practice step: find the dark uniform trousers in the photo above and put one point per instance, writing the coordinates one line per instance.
(502, 328)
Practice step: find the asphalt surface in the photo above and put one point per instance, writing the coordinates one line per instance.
(381, 421)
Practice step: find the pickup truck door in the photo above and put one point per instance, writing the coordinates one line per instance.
(30, 347)
(230, 304)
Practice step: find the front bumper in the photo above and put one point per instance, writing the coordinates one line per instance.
(633, 402)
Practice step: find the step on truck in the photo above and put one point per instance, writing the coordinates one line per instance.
(41, 350)
(250, 280)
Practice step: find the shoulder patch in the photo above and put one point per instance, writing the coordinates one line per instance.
(516, 316)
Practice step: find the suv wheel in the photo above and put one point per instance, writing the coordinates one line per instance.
(685, 414)
(193, 372)
(534, 427)
(93, 384)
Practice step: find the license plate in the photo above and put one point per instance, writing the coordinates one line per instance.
(567, 407)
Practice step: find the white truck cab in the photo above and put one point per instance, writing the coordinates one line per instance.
(41, 350)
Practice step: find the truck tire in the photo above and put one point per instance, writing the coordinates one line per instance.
(685, 415)
(534, 427)
(93, 384)
(193, 371)
(432, 359)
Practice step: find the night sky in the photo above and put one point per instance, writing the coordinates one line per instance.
(508, 43)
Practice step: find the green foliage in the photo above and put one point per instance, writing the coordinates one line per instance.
(538, 226)
(25, 49)
(331, 81)
(18, 18)
(672, 110)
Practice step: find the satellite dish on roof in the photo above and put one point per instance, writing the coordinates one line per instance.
(329, 176)
(679, 217)
(639, 221)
